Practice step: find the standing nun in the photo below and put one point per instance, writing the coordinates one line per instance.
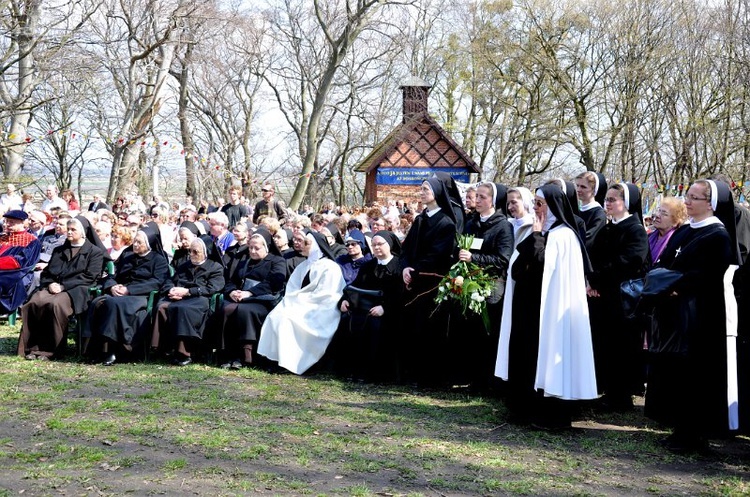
(619, 253)
(692, 381)
(591, 188)
(475, 346)
(547, 356)
(426, 257)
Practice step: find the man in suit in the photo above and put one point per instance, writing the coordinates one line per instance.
(97, 203)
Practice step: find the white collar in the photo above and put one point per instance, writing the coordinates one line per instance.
(432, 212)
(590, 206)
(385, 262)
(618, 221)
(706, 222)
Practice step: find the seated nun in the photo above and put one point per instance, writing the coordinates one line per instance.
(298, 331)
(118, 317)
(183, 310)
(253, 290)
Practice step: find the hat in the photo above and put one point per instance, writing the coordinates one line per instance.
(16, 214)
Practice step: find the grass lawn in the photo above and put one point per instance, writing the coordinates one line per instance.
(67, 428)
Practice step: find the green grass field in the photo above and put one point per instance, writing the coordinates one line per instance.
(68, 428)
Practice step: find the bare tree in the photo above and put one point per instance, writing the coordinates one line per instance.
(314, 46)
(32, 34)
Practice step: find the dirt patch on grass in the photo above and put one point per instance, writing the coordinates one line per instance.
(148, 429)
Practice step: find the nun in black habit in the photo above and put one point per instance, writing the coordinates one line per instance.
(183, 311)
(249, 296)
(427, 256)
(619, 253)
(591, 188)
(187, 232)
(368, 336)
(475, 347)
(118, 317)
(692, 380)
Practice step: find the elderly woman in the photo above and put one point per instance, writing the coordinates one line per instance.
(357, 254)
(692, 378)
(122, 238)
(670, 215)
(118, 317)
(368, 336)
(298, 330)
(619, 253)
(183, 311)
(187, 232)
(591, 189)
(63, 292)
(249, 296)
(546, 356)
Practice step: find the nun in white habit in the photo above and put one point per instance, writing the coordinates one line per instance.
(547, 356)
(297, 331)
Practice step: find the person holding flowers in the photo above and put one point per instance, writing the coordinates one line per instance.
(491, 248)
(546, 356)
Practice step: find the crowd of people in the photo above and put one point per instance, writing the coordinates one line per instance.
(352, 291)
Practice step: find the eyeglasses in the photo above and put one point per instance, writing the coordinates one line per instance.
(612, 200)
(195, 252)
(377, 244)
(351, 244)
(540, 203)
(693, 198)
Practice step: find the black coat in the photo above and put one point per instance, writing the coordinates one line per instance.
(619, 253)
(121, 318)
(202, 281)
(187, 317)
(141, 275)
(429, 246)
(234, 259)
(270, 272)
(594, 219)
(368, 346)
(497, 245)
(75, 274)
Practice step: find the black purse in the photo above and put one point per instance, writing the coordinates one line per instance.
(362, 299)
(630, 291)
(657, 283)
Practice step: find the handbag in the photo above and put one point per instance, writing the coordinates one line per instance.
(362, 299)
(630, 291)
(657, 282)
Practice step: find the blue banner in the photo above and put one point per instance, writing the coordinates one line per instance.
(416, 175)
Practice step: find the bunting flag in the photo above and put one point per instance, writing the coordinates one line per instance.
(174, 145)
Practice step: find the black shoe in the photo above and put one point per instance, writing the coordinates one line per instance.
(182, 361)
(226, 365)
(109, 360)
(236, 364)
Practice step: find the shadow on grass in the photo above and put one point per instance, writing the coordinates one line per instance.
(9, 345)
